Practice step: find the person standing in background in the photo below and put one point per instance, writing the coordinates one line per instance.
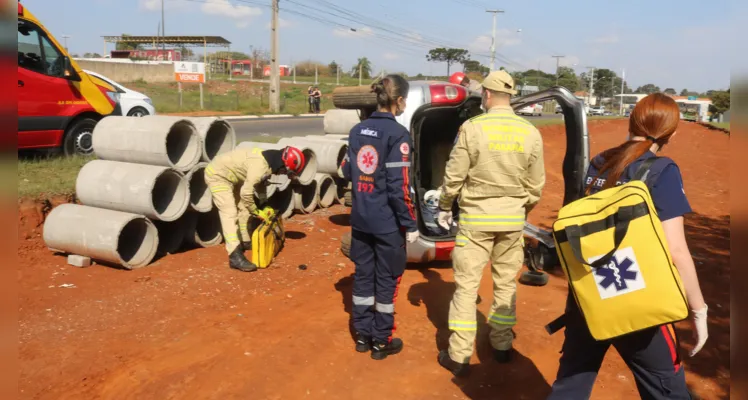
(317, 96)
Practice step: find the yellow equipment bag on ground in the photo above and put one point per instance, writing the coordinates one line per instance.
(613, 250)
(267, 241)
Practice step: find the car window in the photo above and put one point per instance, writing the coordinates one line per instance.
(36, 52)
(29, 48)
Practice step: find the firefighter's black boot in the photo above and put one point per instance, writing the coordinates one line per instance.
(457, 369)
(363, 343)
(502, 356)
(380, 351)
(247, 246)
(238, 261)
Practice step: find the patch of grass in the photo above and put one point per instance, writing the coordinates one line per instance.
(48, 175)
(721, 125)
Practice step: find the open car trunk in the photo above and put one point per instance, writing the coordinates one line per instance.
(434, 132)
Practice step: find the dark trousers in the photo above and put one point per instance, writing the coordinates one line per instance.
(316, 104)
(651, 354)
(380, 262)
(311, 104)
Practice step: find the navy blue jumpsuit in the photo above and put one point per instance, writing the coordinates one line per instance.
(651, 354)
(378, 167)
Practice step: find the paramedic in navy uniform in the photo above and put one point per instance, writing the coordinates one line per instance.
(651, 354)
(382, 218)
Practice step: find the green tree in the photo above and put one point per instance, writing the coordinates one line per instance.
(720, 101)
(568, 78)
(605, 83)
(186, 53)
(333, 66)
(126, 45)
(684, 92)
(448, 55)
(670, 91)
(364, 65)
(475, 66)
(648, 89)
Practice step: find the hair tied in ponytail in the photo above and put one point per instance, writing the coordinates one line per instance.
(652, 139)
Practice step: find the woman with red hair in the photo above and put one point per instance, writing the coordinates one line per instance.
(651, 354)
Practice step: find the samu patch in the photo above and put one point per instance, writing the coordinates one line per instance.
(405, 149)
(367, 159)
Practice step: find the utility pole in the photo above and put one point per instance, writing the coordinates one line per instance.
(590, 90)
(493, 37)
(558, 64)
(337, 73)
(623, 78)
(274, 78)
(316, 75)
(163, 29)
(360, 72)
(65, 38)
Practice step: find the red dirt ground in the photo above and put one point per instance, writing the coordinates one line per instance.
(189, 327)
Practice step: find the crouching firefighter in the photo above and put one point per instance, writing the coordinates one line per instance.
(496, 169)
(232, 178)
(382, 217)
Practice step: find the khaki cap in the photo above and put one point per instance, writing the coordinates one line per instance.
(499, 81)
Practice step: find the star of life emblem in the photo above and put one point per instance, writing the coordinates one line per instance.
(620, 276)
(367, 159)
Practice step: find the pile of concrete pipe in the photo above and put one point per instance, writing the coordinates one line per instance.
(145, 194)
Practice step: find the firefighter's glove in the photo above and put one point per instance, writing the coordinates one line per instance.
(700, 331)
(444, 219)
(411, 237)
(265, 214)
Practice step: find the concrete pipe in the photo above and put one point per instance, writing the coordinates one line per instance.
(117, 237)
(171, 235)
(156, 192)
(216, 134)
(327, 190)
(327, 138)
(200, 197)
(155, 140)
(329, 154)
(305, 198)
(340, 122)
(203, 229)
(282, 202)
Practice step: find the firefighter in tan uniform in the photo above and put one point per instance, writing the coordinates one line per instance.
(496, 171)
(232, 178)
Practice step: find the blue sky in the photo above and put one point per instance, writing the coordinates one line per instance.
(679, 44)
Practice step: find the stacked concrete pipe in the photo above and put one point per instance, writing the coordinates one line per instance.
(337, 121)
(329, 154)
(305, 197)
(203, 229)
(117, 237)
(217, 136)
(328, 190)
(200, 197)
(156, 192)
(307, 176)
(283, 203)
(167, 142)
(170, 235)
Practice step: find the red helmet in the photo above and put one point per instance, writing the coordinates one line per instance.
(293, 159)
(457, 78)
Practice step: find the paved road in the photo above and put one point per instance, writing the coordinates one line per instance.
(295, 126)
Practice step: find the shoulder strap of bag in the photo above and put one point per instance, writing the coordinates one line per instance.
(642, 173)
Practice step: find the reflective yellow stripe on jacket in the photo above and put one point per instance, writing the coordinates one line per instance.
(486, 220)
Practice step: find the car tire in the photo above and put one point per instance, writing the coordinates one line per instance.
(138, 112)
(78, 139)
(534, 278)
(345, 244)
(354, 97)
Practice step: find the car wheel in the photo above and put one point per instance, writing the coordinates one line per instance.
(78, 138)
(138, 112)
(345, 244)
(534, 278)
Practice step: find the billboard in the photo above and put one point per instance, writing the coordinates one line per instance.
(189, 72)
(152, 55)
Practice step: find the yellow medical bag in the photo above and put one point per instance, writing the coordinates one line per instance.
(267, 241)
(613, 250)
